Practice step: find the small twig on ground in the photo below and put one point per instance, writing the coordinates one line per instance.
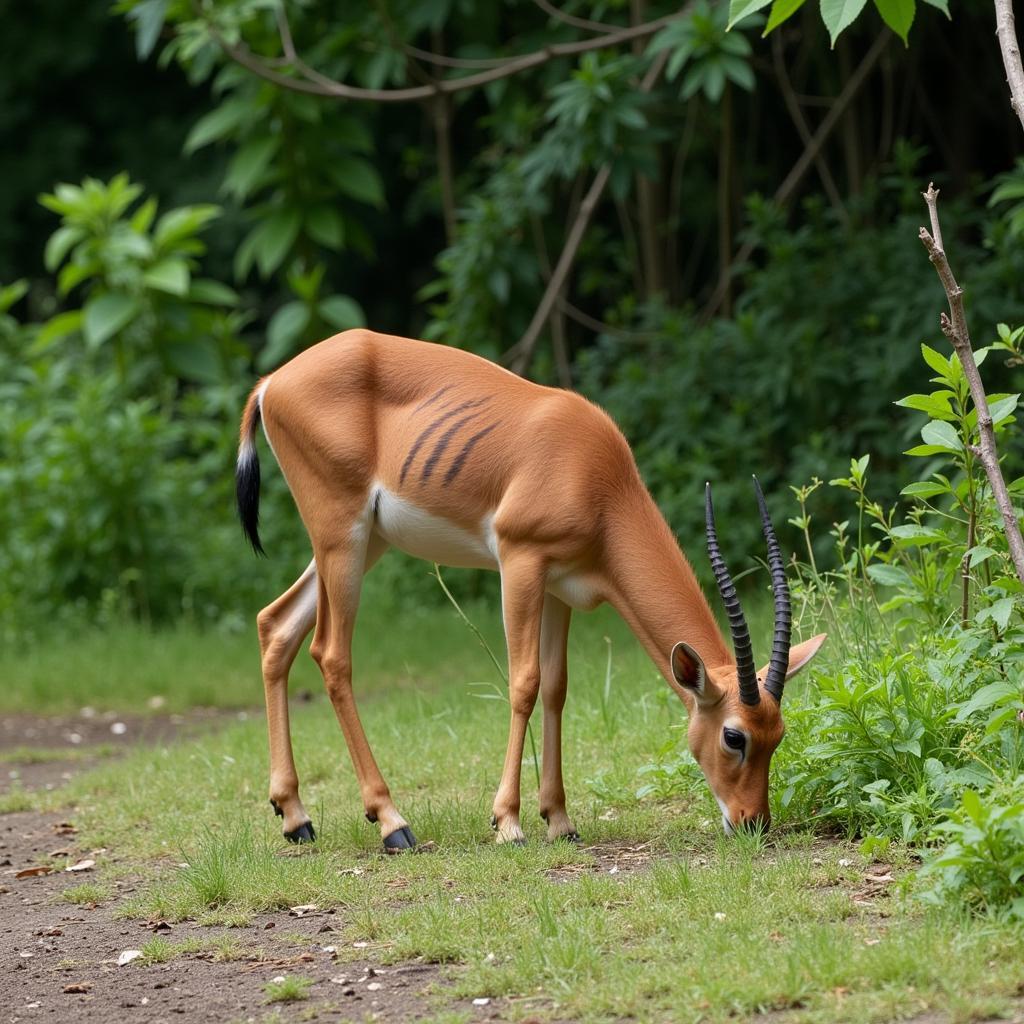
(954, 326)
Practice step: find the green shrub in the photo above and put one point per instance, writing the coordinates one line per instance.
(982, 863)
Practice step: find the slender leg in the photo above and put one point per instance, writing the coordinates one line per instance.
(340, 571)
(522, 599)
(282, 627)
(554, 677)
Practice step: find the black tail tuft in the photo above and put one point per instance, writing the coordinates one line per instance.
(247, 490)
(247, 474)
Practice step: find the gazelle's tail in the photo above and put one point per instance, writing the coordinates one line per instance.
(247, 471)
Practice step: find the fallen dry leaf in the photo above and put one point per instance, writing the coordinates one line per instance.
(65, 828)
(43, 869)
(128, 956)
(77, 988)
(82, 865)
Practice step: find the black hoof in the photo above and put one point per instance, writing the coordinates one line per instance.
(569, 837)
(494, 823)
(305, 833)
(400, 840)
(515, 842)
(371, 818)
(277, 808)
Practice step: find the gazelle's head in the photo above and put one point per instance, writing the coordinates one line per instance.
(736, 721)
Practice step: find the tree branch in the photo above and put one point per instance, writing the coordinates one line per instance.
(519, 355)
(811, 150)
(802, 129)
(1011, 55)
(571, 19)
(317, 84)
(954, 326)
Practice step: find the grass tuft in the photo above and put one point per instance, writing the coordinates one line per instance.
(289, 989)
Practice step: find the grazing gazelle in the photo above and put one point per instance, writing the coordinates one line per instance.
(386, 441)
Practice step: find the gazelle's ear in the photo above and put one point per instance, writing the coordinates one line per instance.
(800, 655)
(689, 672)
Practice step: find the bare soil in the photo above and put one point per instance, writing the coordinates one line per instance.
(86, 738)
(59, 961)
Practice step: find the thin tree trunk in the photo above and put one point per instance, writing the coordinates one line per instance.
(954, 326)
(1010, 50)
(725, 202)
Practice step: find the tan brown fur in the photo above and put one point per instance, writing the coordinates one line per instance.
(557, 482)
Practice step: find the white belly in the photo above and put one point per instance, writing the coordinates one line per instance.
(434, 538)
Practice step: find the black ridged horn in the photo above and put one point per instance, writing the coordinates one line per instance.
(745, 671)
(775, 680)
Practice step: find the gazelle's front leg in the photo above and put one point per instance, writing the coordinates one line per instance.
(282, 627)
(554, 677)
(522, 601)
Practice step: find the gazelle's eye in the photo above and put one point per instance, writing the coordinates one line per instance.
(734, 739)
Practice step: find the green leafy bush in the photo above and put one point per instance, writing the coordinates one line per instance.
(982, 863)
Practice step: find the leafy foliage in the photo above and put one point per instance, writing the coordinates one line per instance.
(982, 863)
(838, 15)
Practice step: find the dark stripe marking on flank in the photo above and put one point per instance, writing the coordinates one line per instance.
(433, 398)
(427, 431)
(460, 459)
(442, 443)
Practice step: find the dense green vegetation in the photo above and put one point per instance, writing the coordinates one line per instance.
(734, 316)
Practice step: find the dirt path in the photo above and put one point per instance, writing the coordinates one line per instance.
(59, 960)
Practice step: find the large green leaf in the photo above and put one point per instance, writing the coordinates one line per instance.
(943, 434)
(274, 237)
(359, 179)
(56, 329)
(107, 314)
(171, 276)
(739, 9)
(898, 15)
(284, 328)
(60, 244)
(249, 165)
(149, 20)
(839, 15)
(781, 11)
(219, 123)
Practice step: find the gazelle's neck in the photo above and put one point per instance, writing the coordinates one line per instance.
(653, 588)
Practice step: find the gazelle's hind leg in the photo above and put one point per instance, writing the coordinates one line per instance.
(340, 569)
(554, 677)
(282, 628)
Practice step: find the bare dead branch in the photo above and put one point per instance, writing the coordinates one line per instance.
(519, 355)
(1010, 49)
(811, 150)
(954, 326)
(463, 63)
(800, 123)
(317, 84)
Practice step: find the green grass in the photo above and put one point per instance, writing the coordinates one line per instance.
(85, 894)
(289, 989)
(691, 927)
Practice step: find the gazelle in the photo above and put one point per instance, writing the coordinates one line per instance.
(385, 442)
